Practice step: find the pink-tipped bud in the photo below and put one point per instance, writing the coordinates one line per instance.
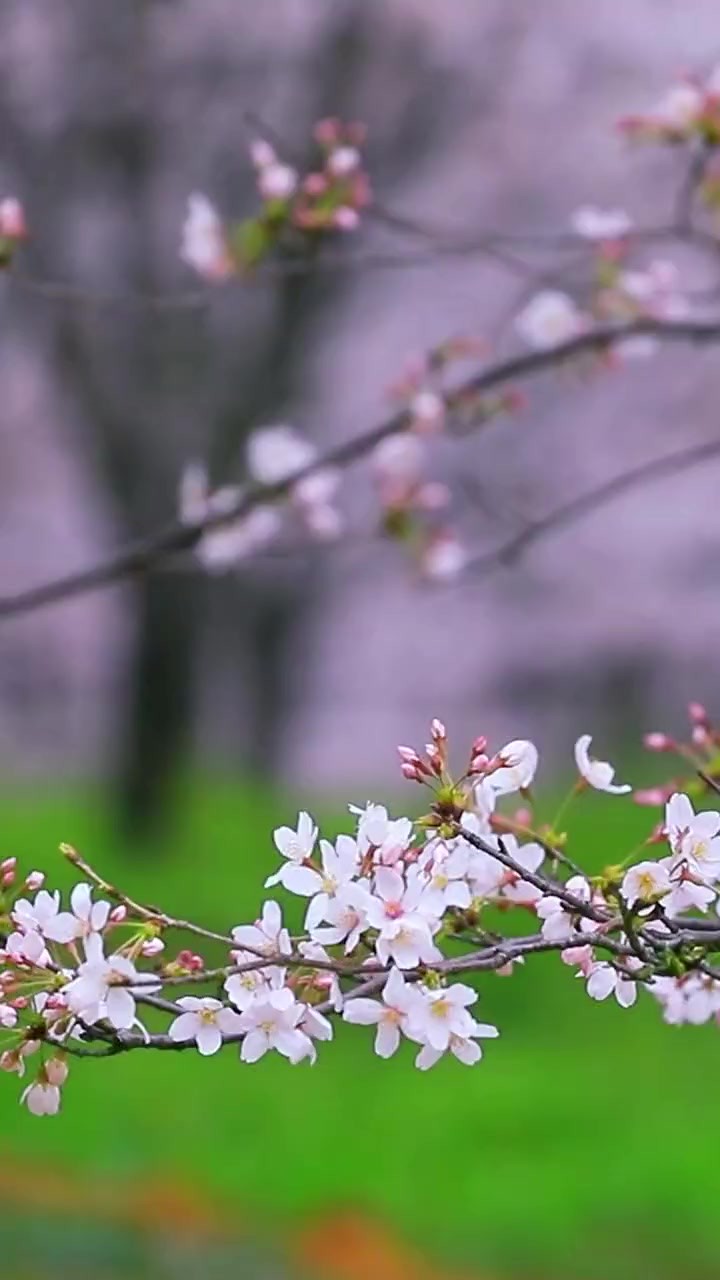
(8, 864)
(479, 763)
(345, 218)
(262, 153)
(152, 947)
(658, 742)
(19, 1002)
(328, 131)
(118, 914)
(479, 746)
(56, 1070)
(410, 772)
(55, 1001)
(34, 881)
(438, 731)
(8, 878)
(315, 184)
(650, 796)
(194, 963)
(698, 713)
(700, 735)
(408, 754)
(12, 219)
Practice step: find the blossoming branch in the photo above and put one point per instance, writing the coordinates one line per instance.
(399, 913)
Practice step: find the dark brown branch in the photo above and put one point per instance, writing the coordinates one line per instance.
(646, 473)
(177, 538)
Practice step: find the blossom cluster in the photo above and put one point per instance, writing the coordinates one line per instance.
(401, 916)
(296, 208)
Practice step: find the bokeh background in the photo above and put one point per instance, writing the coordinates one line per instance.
(166, 726)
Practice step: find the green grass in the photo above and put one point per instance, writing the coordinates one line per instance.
(584, 1144)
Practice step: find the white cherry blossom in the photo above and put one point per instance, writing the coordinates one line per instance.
(391, 1015)
(518, 765)
(597, 773)
(271, 1022)
(550, 318)
(645, 882)
(205, 1021)
(405, 934)
(297, 845)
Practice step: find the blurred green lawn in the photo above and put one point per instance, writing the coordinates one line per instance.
(584, 1144)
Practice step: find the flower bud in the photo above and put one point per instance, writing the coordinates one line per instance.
(118, 914)
(345, 218)
(8, 864)
(479, 763)
(262, 153)
(658, 742)
(700, 735)
(649, 796)
(438, 731)
(34, 881)
(7, 878)
(152, 947)
(56, 1071)
(698, 713)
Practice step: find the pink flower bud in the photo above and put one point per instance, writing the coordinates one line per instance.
(658, 742)
(698, 713)
(438, 731)
(118, 914)
(345, 218)
(479, 763)
(34, 881)
(315, 184)
(327, 131)
(700, 735)
(12, 219)
(479, 746)
(8, 864)
(152, 947)
(277, 182)
(649, 796)
(7, 878)
(410, 772)
(262, 153)
(342, 161)
(20, 1002)
(56, 1070)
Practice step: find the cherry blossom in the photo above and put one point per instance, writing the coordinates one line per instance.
(391, 1016)
(514, 767)
(102, 988)
(557, 916)
(346, 916)
(597, 773)
(645, 882)
(44, 916)
(605, 980)
(41, 1098)
(694, 838)
(601, 224)
(339, 866)
(205, 1021)
(405, 933)
(297, 845)
(203, 246)
(551, 317)
(267, 936)
(271, 1022)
